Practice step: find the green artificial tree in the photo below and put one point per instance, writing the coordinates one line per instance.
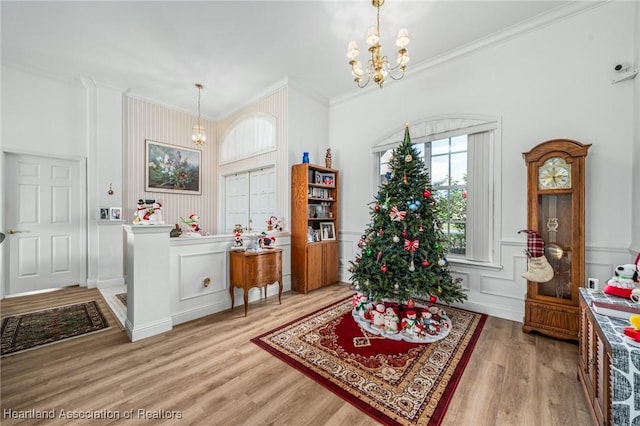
(402, 252)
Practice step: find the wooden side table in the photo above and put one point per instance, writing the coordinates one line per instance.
(251, 269)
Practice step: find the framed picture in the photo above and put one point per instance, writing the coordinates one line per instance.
(171, 168)
(329, 179)
(104, 213)
(327, 231)
(115, 213)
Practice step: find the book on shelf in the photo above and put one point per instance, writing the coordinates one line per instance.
(614, 309)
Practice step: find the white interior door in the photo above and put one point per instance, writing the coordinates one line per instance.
(43, 215)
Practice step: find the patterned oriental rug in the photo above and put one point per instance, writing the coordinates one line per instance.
(27, 331)
(395, 382)
(122, 297)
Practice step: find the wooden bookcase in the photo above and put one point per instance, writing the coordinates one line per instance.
(314, 227)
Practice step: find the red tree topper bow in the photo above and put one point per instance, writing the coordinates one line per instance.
(397, 215)
(411, 245)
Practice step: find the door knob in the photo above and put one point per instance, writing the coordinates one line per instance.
(13, 231)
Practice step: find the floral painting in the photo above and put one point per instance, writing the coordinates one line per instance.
(172, 168)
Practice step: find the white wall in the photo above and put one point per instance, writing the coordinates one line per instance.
(554, 82)
(82, 120)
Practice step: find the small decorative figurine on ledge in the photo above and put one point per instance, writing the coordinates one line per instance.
(148, 212)
(327, 158)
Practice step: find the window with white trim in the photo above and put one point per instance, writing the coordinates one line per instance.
(252, 135)
(459, 156)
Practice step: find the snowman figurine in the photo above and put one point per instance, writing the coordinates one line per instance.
(391, 321)
(378, 317)
(410, 323)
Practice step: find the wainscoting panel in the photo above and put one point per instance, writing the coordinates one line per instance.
(202, 273)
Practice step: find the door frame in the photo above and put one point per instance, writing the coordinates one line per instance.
(4, 253)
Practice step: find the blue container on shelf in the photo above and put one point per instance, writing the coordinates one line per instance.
(305, 157)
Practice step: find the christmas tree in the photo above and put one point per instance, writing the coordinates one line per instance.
(403, 250)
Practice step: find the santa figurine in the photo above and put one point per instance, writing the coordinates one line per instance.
(378, 316)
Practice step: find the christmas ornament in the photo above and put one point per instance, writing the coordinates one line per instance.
(411, 304)
(376, 208)
(387, 175)
(413, 206)
(396, 238)
(418, 203)
(426, 193)
(404, 179)
(432, 299)
(412, 267)
(396, 286)
(436, 246)
(357, 287)
(425, 263)
(404, 234)
(383, 268)
(381, 232)
(464, 194)
(378, 257)
(397, 215)
(411, 246)
(439, 290)
(369, 252)
(358, 260)
(421, 229)
(408, 158)
(442, 262)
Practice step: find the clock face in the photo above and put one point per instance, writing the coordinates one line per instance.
(555, 173)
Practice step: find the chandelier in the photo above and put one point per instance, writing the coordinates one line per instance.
(378, 67)
(199, 137)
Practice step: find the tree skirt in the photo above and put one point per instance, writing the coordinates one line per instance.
(394, 381)
(27, 331)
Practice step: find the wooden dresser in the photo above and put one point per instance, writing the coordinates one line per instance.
(251, 269)
(608, 364)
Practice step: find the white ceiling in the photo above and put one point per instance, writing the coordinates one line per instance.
(237, 49)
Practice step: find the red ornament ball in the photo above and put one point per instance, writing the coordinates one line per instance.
(381, 232)
(425, 263)
(426, 193)
(404, 234)
(376, 208)
(358, 260)
(383, 268)
(432, 299)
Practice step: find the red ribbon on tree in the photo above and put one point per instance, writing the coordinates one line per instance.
(397, 215)
(411, 245)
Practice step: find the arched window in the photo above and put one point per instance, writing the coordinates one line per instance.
(252, 135)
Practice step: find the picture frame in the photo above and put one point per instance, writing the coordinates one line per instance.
(318, 178)
(327, 231)
(329, 179)
(115, 213)
(172, 168)
(103, 213)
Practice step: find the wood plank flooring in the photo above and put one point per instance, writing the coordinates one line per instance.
(206, 372)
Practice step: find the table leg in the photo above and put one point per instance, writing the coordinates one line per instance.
(232, 296)
(280, 290)
(246, 300)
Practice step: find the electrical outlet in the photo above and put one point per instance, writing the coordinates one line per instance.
(592, 283)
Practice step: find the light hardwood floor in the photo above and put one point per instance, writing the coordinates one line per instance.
(209, 372)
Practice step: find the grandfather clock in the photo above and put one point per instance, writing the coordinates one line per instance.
(555, 209)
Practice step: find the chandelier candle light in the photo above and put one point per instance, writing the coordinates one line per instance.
(378, 67)
(199, 137)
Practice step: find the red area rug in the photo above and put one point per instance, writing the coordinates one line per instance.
(395, 382)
